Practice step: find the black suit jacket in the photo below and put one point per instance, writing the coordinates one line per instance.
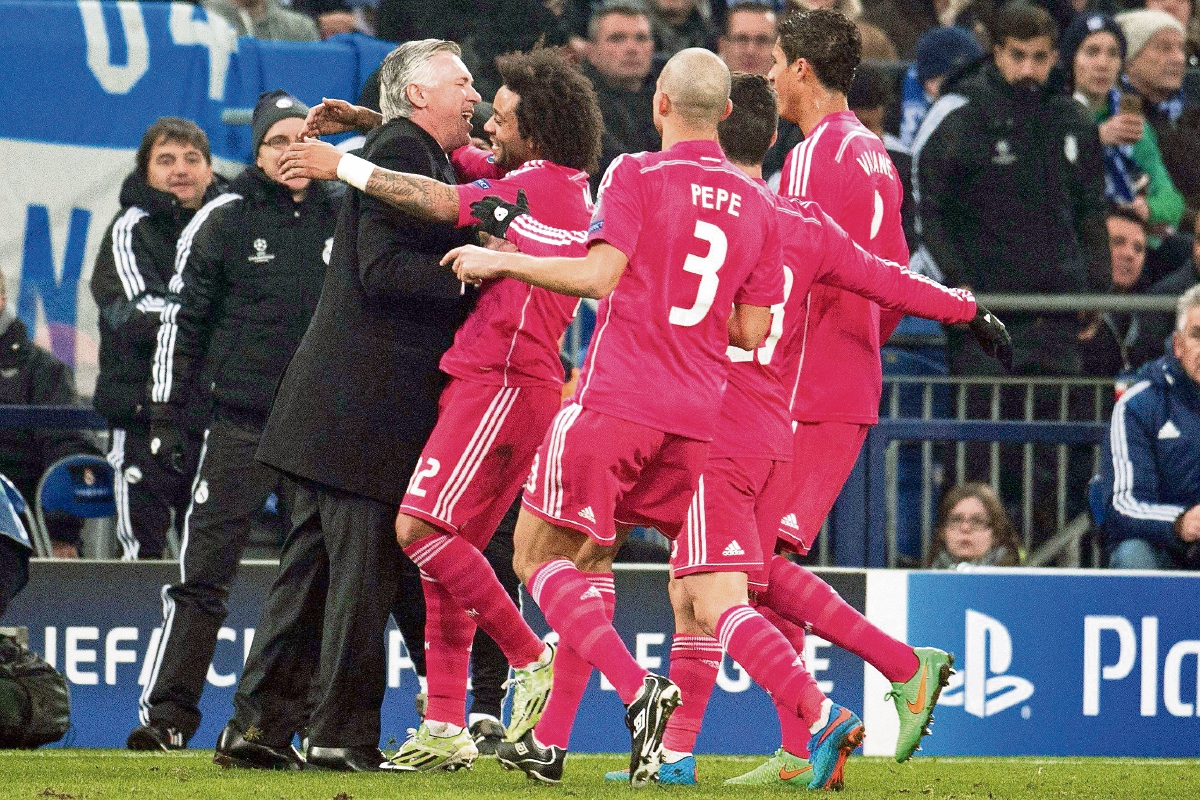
(359, 398)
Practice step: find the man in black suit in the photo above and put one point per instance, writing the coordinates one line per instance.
(350, 417)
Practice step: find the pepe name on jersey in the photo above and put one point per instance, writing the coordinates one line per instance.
(716, 199)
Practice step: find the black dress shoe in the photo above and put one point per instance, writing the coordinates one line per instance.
(235, 750)
(348, 759)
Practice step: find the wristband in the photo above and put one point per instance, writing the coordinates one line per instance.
(355, 171)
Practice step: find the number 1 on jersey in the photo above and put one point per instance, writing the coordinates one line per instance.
(706, 267)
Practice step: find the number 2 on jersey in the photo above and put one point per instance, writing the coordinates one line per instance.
(767, 349)
(419, 474)
(706, 267)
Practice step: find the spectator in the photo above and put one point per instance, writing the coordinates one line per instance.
(989, 218)
(904, 21)
(265, 19)
(31, 376)
(940, 52)
(746, 47)
(972, 529)
(1154, 70)
(1153, 452)
(1092, 50)
(749, 35)
(620, 56)
(339, 16)
(678, 25)
(250, 270)
(1185, 12)
(174, 177)
(1112, 343)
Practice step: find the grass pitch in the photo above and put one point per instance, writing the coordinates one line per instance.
(118, 775)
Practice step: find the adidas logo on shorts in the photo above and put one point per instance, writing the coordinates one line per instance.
(591, 592)
(588, 514)
(733, 549)
(790, 522)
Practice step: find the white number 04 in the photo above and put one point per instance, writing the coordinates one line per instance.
(706, 267)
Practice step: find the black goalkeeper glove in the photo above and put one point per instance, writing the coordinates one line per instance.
(495, 215)
(992, 336)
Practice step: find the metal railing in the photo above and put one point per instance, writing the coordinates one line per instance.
(1051, 414)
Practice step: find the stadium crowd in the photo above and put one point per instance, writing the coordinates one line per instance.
(1025, 149)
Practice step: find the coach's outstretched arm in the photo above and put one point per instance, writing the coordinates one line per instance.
(337, 116)
(593, 276)
(415, 195)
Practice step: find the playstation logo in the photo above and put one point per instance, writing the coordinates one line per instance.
(981, 686)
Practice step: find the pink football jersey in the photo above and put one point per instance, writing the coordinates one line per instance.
(755, 421)
(846, 169)
(699, 236)
(512, 336)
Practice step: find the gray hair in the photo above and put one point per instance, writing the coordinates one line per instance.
(404, 66)
(1187, 301)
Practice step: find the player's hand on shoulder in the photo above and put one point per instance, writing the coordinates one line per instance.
(311, 159)
(992, 335)
(337, 116)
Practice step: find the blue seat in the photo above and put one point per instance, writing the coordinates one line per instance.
(66, 488)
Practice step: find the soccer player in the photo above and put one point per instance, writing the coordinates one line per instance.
(683, 249)
(734, 521)
(506, 387)
(846, 169)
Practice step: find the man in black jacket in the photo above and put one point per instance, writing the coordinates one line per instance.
(351, 416)
(30, 376)
(174, 177)
(1009, 179)
(250, 268)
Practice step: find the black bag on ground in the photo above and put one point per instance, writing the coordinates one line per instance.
(35, 706)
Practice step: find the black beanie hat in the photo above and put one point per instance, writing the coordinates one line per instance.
(1084, 25)
(272, 107)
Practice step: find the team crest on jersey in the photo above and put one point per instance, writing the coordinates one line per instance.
(1071, 148)
(483, 184)
(1004, 155)
(261, 256)
(595, 226)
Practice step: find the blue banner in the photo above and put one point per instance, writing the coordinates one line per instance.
(84, 80)
(97, 622)
(1089, 664)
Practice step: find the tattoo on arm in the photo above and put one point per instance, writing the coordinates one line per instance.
(417, 195)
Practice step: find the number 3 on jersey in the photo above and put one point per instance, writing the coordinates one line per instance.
(706, 267)
(767, 349)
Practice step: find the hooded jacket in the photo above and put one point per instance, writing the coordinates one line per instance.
(130, 286)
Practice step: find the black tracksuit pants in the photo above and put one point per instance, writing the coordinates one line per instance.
(230, 488)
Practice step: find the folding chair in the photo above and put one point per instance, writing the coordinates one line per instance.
(66, 488)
